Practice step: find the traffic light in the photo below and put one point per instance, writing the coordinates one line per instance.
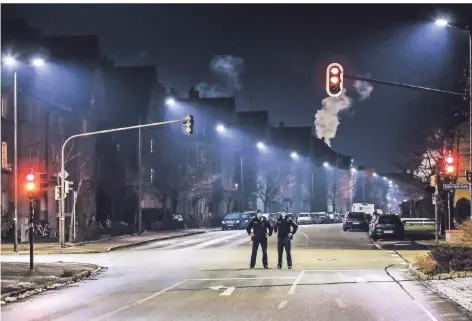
(31, 184)
(57, 192)
(468, 176)
(188, 123)
(450, 164)
(334, 80)
(43, 181)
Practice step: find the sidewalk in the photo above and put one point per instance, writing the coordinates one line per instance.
(99, 246)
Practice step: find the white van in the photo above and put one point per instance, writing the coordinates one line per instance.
(363, 208)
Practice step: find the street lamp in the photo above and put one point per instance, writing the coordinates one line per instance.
(10, 61)
(445, 23)
(375, 175)
(220, 129)
(353, 170)
(260, 145)
(294, 155)
(326, 164)
(170, 102)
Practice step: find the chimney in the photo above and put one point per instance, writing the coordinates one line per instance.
(281, 124)
(193, 93)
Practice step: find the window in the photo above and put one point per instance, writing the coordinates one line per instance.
(151, 145)
(4, 154)
(4, 106)
(151, 175)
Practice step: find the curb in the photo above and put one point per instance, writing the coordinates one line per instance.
(27, 292)
(424, 277)
(125, 246)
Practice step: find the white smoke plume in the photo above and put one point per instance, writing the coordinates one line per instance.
(327, 118)
(363, 88)
(229, 68)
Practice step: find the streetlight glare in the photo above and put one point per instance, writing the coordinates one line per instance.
(170, 101)
(294, 155)
(442, 22)
(220, 129)
(260, 145)
(375, 175)
(353, 170)
(38, 62)
(325, 164)
(10, 61)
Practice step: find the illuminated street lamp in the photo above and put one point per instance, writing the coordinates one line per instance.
(220, 129)
(326, 164)
(375, 175)
(260, 145)
(294, 155)
(442, 22)
(10, 62)
(170, 102)
(353, 170)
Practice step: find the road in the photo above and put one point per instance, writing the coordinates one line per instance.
(336, 276)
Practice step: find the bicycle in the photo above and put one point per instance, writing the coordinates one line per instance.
(44, 231)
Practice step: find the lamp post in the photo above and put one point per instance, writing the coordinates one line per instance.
(11, 62)
(445, 23)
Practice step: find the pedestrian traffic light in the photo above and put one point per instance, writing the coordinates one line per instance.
(188, 123)
(43, 181)
(57, 192)
(334, 80)
(449, 164)
(67, 186)
(31, 184)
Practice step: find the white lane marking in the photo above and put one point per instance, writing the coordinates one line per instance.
(304, 236)
(216, 241)
(341, 270)
(342, 276)
(361, 280)
(405, 263)
(249, 278)
(295, 283)
(429, 314)
(392, 252)
(282, 304)
(229, 290)
(109, 314)
(341, 304)
(399, 259)
(395, 255)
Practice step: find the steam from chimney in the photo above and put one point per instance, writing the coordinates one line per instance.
(327, 118)
(229, 69)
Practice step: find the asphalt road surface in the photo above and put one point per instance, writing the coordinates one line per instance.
(336, 276)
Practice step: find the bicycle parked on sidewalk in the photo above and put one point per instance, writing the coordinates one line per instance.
(44, 231)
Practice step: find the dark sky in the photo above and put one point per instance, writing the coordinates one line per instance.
(285, 49)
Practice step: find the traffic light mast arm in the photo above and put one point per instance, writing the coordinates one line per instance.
(62, 203)
(383, 82)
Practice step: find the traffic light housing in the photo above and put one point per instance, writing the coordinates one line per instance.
(68, 186)
(57, 192)
(31, 185)
(188, 123)
(43, 181)
(334, 80)
(449, 164)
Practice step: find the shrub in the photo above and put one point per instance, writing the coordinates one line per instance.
(466, 229)
(426, 264)
(452, 258)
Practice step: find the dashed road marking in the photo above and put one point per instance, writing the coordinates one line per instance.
(295, 283)
(282, 304)
(341, 304)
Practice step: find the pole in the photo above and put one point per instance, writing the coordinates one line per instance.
(312, 189)
(31, 228)
(448, 210)
(470, 117)
(62, 201)
(140, 177)
(242, 185)
(15, 161)
(436, 216)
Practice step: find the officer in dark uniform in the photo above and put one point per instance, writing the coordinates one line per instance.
(261, 229)
(285, 229)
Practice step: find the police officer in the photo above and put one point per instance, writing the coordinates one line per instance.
(285, 229)
(261, 229)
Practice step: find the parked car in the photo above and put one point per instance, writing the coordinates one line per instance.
(355, 220)
(235, 221)
(304, 218)
(388, 225)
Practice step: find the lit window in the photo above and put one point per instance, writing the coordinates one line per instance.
(151, 175)
(151, 145)
(4, 106)
(4, 155)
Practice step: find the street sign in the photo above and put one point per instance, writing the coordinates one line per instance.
(449, 187)
(227, 292)
(65, 174)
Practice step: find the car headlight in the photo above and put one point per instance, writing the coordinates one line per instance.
(223, 222)
(237, 222)
(245, 221)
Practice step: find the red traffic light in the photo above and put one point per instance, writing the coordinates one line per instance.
(450, 164)
(334, 80)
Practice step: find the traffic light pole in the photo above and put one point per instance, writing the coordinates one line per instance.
(106, 131)
(31, 232)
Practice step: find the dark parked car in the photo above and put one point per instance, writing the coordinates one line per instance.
(235, 221)
(355, 220)
(384, 226)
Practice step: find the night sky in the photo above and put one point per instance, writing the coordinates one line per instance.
(285, 49)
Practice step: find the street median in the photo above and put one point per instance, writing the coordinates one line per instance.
(101, 246)
(19, 282)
